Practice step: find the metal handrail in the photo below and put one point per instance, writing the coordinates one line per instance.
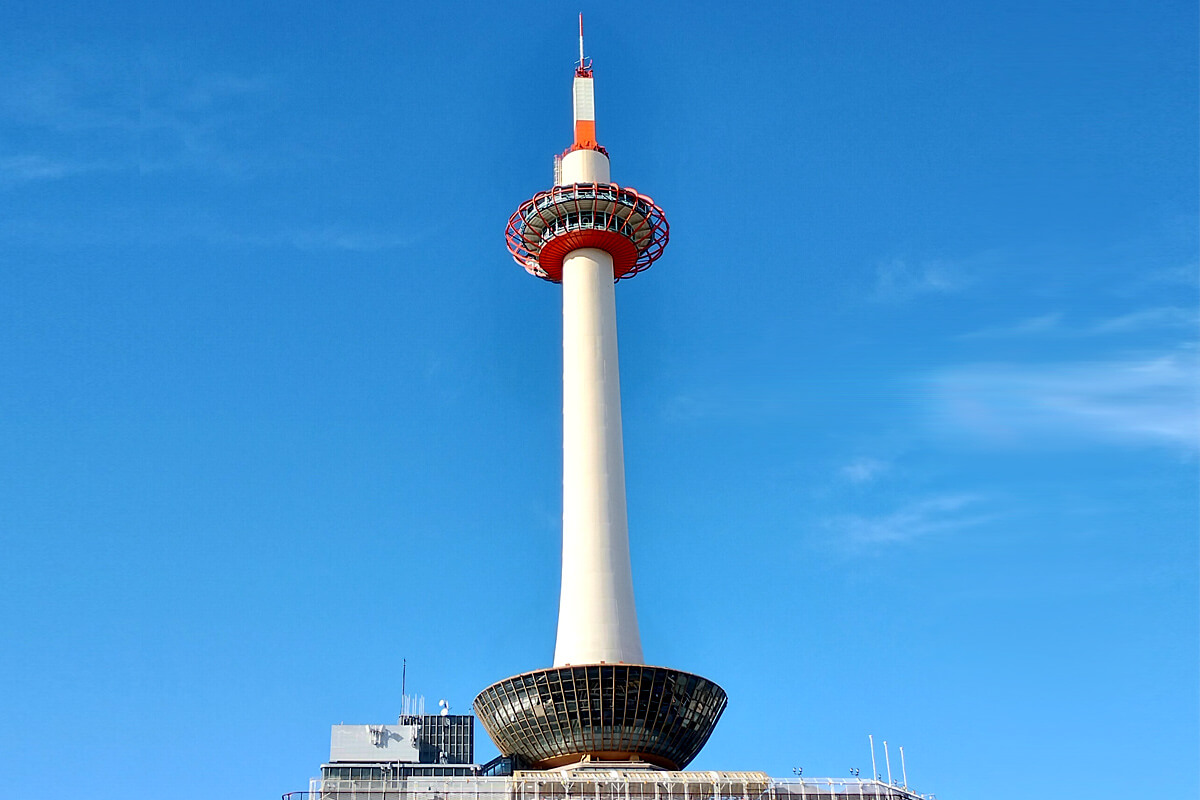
(605, 786)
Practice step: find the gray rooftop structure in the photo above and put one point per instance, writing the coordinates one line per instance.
(415, 746)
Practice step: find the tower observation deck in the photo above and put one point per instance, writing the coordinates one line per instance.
(600, 701)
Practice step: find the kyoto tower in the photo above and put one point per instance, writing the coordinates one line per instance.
(600, 701)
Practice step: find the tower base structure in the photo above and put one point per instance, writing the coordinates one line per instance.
(601, 712)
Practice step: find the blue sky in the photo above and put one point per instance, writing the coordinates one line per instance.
(910, 401)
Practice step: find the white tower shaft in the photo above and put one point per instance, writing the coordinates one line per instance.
(597, 620)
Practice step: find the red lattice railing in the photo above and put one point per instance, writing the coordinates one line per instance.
(629, 226)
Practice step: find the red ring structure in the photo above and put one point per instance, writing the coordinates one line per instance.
(627, 225)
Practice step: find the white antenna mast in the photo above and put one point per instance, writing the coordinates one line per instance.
(888, 761)
(874, 774)
(581, 64)
(903, 771)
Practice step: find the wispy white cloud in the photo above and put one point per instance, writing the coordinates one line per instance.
(1030, 326)
(1152, 399)
(937, 515)
(1158, 317)
(897, 280)
(864, 470)
(1185, 274)
(328, 237)
(152, 116)
(1161, 317)
(18, 169)
(174, 228)
(1143, 269)
(723, 403)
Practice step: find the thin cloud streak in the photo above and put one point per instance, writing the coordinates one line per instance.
(899, 280)
(147, 118)
(1155, 318)
(931, 516)
(1031, 326)
(1162, 317)
(701, 406)
(116, 231)
(1149, 400)
(331, 237)
(18, 169)
(1185, 274)
(864, 470)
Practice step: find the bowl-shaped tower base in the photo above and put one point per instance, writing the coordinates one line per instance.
(618, 712)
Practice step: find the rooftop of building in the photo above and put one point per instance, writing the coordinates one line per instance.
(605, 783)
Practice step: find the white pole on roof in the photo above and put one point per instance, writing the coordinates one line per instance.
(903, 770)
(888, 761)
(874, 774)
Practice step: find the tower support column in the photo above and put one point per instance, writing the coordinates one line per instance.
(597, 620)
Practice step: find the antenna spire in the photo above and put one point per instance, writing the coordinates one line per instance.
(581, 64)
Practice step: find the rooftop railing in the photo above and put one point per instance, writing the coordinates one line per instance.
(600, 786)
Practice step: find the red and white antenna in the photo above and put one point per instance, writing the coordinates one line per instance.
(584, 100)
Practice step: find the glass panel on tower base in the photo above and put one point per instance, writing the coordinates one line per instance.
(612, 712)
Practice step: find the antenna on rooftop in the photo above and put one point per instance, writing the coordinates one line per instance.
(874, 772)
(581, 64)
(903, 771)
